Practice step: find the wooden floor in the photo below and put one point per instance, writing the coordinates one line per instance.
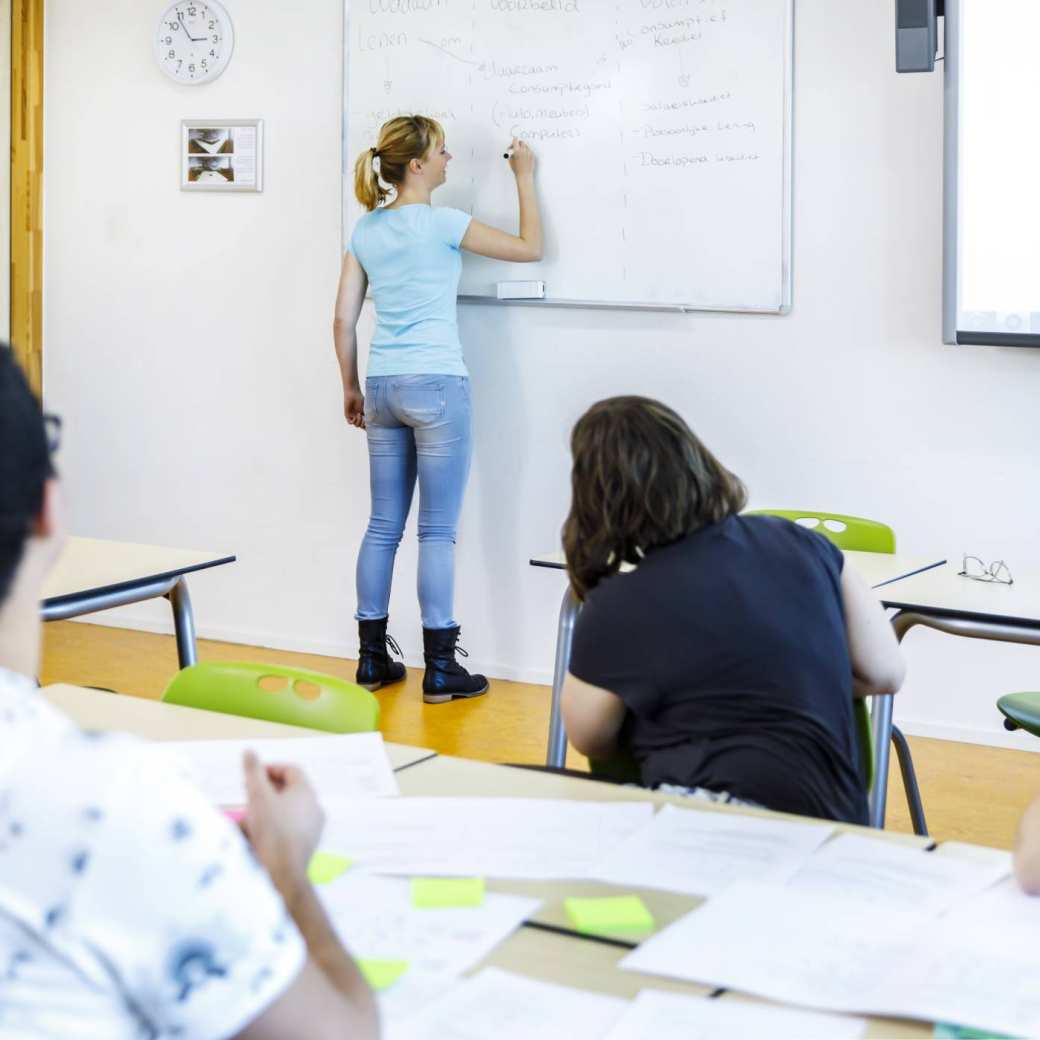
(971, 793)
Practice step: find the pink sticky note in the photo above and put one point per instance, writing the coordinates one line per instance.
(236, 815)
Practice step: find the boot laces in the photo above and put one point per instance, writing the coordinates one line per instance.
(458, 649)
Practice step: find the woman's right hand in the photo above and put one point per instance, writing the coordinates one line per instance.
(354, 408)
(283, 820)
(521, 158)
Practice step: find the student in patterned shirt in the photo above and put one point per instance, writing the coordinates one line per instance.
(129, 906)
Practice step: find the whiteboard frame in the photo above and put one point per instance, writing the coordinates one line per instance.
(786, 216)
(952, 333)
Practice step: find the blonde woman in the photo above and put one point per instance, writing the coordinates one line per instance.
(416, 405)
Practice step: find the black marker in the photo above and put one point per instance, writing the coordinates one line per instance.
(507, 155)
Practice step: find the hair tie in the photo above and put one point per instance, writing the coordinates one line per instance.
(374, 151)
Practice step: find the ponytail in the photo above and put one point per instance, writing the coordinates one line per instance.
(370, 193)
(400, 141)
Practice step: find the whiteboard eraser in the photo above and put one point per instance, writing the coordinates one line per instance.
(521, 290)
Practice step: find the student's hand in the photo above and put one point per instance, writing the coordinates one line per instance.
(522, 160)
(283, 820)
(354, 408)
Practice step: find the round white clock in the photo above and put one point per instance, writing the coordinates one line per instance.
(194, 41)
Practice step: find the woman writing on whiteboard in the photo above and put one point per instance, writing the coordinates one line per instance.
(416, 405)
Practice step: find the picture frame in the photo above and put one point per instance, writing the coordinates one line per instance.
(222, 155)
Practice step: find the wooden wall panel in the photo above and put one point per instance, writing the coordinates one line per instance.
(27, 186)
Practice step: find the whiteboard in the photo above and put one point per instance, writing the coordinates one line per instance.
(662, 129)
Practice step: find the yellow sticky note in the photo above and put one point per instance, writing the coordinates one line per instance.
(381, 974)
(609, 914)
(327, 866)
(441, 893)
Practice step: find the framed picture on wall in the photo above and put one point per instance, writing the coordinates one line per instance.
(222, 155)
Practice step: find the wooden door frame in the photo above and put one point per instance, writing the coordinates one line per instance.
(26, 294)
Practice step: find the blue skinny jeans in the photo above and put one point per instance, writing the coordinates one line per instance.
(419, 426)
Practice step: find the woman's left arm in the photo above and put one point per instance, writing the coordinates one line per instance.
(592, 717)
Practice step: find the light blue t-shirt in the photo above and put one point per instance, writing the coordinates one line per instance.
(412, 259)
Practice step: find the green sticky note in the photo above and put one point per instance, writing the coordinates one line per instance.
(327, 866)
(609, 914)
(380, 974)
(441, 893)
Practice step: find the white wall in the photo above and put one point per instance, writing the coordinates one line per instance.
(188, 346)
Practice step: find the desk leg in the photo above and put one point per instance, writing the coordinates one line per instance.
(183, 623)
(881, 717)
(972, 628)
(556, 753)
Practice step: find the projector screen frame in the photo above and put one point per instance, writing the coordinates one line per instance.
(951, 199)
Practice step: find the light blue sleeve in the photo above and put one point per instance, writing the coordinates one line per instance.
(450, 225)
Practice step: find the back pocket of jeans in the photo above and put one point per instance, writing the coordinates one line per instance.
(420, 404)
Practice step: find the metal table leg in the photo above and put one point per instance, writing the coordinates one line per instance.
(556, 752)
(881, 718)
(183, 623)
(881, 713)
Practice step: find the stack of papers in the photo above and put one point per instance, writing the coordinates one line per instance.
(486, 837)
(339, 766)
(701, 853)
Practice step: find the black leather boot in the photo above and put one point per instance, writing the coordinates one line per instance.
(375, 666)
(445, 678)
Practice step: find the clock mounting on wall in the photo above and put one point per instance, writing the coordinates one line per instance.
(194, 41)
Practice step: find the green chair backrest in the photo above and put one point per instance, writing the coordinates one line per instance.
(859, 535)
(846, 532)
(266, 691)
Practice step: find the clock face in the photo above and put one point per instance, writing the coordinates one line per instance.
(194, 41)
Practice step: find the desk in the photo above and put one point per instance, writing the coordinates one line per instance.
(939, 598)
(541, 950)
(93, 575)
(445, 776)
(878, 569)
(153, 720)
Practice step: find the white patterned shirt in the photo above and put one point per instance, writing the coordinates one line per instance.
(130, 908)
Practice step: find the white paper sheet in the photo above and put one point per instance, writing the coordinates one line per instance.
(497, 1004)
(485, 837)
(792, 946)
(375, 918)
(976, 966)
(339, 766)
(673, 1016)
(701, 853)
(897, 876)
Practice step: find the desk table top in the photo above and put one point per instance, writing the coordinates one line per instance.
(93, 565)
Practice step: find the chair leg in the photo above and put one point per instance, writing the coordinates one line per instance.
(913, 793)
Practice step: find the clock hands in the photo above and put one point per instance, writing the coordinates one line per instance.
(180, 18)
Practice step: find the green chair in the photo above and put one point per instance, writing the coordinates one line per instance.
(266, 691)
(861, 535)
(1021, 711)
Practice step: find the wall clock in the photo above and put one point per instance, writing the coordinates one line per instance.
(194, 41)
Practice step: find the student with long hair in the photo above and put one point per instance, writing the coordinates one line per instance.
(727, 660)
(416, 405)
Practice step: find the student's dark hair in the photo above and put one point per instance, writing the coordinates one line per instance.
(25, 466)
(641, 479)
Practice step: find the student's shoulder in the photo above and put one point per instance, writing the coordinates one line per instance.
(794, 536)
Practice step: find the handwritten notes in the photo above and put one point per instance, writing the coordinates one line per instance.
(670, 115)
